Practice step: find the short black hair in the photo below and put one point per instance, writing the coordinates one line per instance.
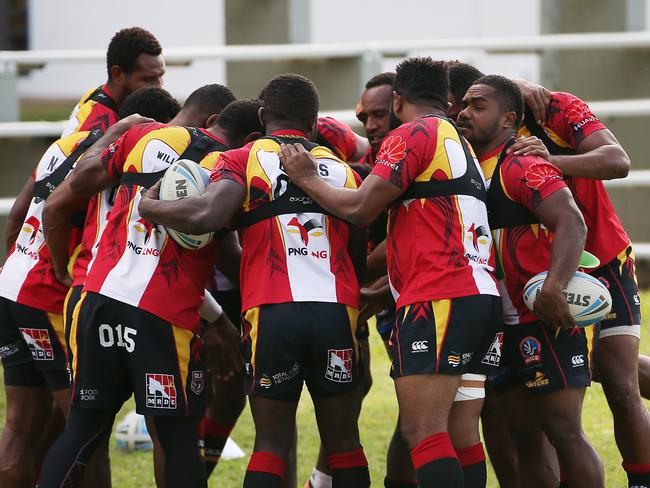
(422, 80)
(155, 103)
(386, 78)
(291, 97)
(127, 44)
(461, 77)
(209, 99)
(507, 92)
(241, 118)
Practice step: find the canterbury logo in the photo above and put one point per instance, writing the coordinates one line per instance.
(420, 346)
(578, 360)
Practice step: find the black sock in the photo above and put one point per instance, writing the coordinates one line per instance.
(178, 438)
(67, 458)
(472, 460)
(638, 475)
(388, 483)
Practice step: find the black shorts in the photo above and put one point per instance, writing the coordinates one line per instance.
(449, 336)
(545, 361)
(288, 343)
(119, 349)
(619, 276)
(71, 300)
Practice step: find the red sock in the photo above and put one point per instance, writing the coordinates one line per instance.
(349, 469)
(267, 462)
(472, 460)
(435, 459)
(637, 474)
(436, 446)
(212, 439)
(471, 455)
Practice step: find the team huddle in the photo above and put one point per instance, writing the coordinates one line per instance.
(466, 186)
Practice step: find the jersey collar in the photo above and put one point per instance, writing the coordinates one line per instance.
(493, 153)
(290, 132)
(210, 134)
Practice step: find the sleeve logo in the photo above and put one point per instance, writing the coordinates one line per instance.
(539, 173)
(577, 111)
(392, 151)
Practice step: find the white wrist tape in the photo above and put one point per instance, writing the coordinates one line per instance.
(210, 309)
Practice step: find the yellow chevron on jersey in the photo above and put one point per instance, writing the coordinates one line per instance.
(68, 144)
(165, 144)
(524, 132)
(441, 159)
(210, 160)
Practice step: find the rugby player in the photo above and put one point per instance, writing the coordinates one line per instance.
(374, 112)
(142, 278)
(31, 337)
(299, 286)
(133, 61)
(537, 225)
(339, 138)
(446, 295)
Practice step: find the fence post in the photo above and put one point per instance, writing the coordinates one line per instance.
(8, 92)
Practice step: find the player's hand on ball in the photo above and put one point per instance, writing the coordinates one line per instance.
(148, 196)
(221, 341)
(530, 146)
(551, 307)
(297, 162)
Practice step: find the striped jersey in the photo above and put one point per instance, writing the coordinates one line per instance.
(27, 276)
(294, 257)
(137, 262)
(438, 247)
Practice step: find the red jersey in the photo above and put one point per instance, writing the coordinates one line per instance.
(299, 257)
(95, 110)
(137, 262)
(336, 136)
(27, 276)
(568, 122)
(438, 247)
(367, 158)
(523, 250)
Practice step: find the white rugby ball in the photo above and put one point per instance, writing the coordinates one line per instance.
(588, 299)
(185, 178)
(131, 433)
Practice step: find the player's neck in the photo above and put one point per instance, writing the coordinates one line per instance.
(217, 131)
(496, 142)
(117, 93)
(274, 126)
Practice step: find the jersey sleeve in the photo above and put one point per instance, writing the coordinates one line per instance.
(530, 180)
(231, 165)
(571, 118)
(338, 136)
(400, 156)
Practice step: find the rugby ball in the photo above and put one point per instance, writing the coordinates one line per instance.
(588, 299)
(185, 178)
(131, 433)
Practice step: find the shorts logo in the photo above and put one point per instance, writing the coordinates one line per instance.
(454, 359)
(578, 360)
(88, 394)
(636, 299)
(197, 382)
(339, 365)
(9, 350)
(38, 341)
(265, 381)
(161, 392)
(493, 356)
(420, 346)
(539, 381)
(531, 350)
(283, 376)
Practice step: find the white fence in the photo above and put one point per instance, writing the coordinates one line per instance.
(371, 54)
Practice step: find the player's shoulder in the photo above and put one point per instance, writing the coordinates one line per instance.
(532, 170)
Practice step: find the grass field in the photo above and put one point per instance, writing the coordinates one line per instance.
(131, 470)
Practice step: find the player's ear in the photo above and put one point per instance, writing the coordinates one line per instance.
(397, 103)
(509, 120)
(117, 75)
(253, 136)
(211, 120)
(262, 115)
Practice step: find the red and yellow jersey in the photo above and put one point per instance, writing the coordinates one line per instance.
(523, 250)
(295, 257)
(367, 158)
(337, 137)
(438, 247)
(569, 121)
(95, 110)
(27, 276)
(136, 261)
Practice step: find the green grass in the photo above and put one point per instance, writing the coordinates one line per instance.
(132, 470)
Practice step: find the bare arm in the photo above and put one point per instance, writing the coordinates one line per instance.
(560, 214)
(362, 147)
(211, 211)
(377, 262)
(360, 207)
(18, 212)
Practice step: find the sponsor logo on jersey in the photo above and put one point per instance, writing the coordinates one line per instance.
(478, 235)
(420, 346)
(339, 365)
(9, 350)
(38, 341)
(539, 173)
(32, 226)
(196, 385)
(160, 391)
(531, 350)
(88, 394)
(392, 151)
(142, 226)
(283, 376)
(454, 359)
(311, 227)
(493, 356)
(265, 381)
(578, 360)
(539, 381)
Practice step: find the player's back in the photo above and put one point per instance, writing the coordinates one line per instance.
(95, 110)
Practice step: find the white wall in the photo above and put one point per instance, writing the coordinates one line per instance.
(374, 20)
(79, 24)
